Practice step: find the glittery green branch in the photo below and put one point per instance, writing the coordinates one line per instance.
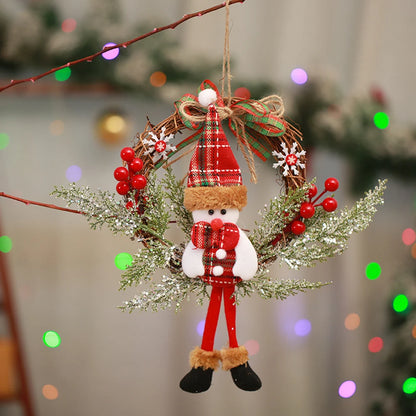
(327, 234)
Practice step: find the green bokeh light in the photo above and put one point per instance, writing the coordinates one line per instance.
(409, 386)
(123, 260)
(5, 244)
(381, 120)
(400, 303)
(373, 271)
(4, 140)
(63, 74)
(51, 339)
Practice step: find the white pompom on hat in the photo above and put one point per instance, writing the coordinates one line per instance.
(207, 97)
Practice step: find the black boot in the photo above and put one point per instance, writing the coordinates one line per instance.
(197, 380)
(245, 378)
(203, 364)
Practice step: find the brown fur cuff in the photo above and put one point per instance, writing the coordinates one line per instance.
(215, 197)
(233, 357)
(205, 359)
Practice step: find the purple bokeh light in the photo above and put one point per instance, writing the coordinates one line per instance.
(200, 327)
(73, 173)
(112, 54)
(347, 389)
(299, 76)
(303, 327)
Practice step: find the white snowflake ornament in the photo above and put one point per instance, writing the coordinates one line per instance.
(159, 146)
(289, 159)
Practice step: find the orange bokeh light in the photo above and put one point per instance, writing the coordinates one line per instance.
(158, 79)
(352, 321)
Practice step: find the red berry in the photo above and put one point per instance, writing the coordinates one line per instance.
(122, 188)
(121, 174)
(136, 165)
(307, 210)
(129, 205)
(329, 204)
(297, 227)
(127, 154)
(138, 181)
(313, 190)
(331, 184)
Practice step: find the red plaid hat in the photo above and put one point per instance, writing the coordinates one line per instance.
(214, 180)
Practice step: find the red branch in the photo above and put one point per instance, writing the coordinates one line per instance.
(120, 45)
(40, 204)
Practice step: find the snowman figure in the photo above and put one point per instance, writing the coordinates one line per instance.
(219, 252)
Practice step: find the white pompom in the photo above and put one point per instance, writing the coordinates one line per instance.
(207, 97)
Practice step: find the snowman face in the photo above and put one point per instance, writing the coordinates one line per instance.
(207, 215)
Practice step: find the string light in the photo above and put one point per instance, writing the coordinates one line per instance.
(373, 271)
(299, 76)
(409, 386)
(68, 25)
(352, 321)
(408, 236)
(50, 392)
(381, 120)
(57, 127)
(400, 303)
(5, 244)
(303, 327)
(242, 92)
(200, 327)
(347, 389)
(123, 261)
(51, 339)
(158, 79)
(73, 173)
(4, 140)
(63, 74)
(375, 344)
(252, 346)
(111, 54)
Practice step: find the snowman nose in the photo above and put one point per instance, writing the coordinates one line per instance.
(216, 224)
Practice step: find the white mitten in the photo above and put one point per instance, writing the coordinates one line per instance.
(192, 264)
(246, 258)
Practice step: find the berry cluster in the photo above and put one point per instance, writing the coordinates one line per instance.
(129, 179)
(307, 209)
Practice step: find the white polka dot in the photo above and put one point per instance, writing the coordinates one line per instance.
(220, 254)
(218, 270)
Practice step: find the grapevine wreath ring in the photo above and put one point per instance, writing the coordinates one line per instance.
(295, 227)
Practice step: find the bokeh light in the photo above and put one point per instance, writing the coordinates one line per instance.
(400, 303)
(158, 79)
(381, 120)
(252, 346)
(242, 92)
(408, 236)
(347, 389)
(51, 339)
(63, 74)
(69, 25)
(73, 173)
(114, 123)
(200, 327)
(123, 260)
(50, 392)
(373, 271)
(299, 76)
(414, 332)
(375, 344)
(302, 327)
(57, 127)
(413, 251)
(4, 140)
(111, 54)
(6, 244)
(409, 386)
(352, 321)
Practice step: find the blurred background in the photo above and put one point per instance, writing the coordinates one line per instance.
(346, 73)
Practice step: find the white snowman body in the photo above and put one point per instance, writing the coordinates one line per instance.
(245, 265)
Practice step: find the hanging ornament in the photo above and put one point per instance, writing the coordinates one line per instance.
(159, 146)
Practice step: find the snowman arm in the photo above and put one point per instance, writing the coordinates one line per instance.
(192, 264)
(246, 258)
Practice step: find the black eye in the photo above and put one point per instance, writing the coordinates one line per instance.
(223, 211)
(211, 212)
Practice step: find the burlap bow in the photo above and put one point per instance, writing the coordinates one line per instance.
(248, 120)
